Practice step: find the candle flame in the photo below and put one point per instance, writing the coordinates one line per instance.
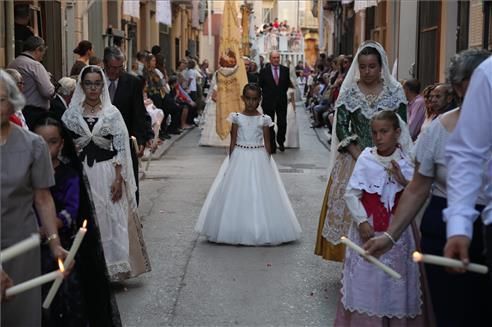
(343, 238)
(60, 265)
(84, 224)
(417, 257)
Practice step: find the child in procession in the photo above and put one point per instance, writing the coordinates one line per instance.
(85, 296)
(247, 203)
(369, 296)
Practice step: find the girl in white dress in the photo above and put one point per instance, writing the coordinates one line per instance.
(247, 203)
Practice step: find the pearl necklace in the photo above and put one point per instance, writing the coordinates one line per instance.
(94, 108)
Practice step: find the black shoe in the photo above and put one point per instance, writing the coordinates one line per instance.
(281, 148)
(174, 131)
(165, 136)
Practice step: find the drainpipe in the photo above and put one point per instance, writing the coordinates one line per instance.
(9, 27)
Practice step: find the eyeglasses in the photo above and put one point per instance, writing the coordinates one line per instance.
(95, 85)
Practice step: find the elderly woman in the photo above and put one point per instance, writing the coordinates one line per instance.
(17, 118)
(457, 300)
(62, 98)
(25, 188)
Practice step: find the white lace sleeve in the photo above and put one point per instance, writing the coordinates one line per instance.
(352, 199)
(233, 118)
(267, 121)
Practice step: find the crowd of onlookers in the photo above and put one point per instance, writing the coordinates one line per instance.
(275, 32)
(322, 83)
(173, 100)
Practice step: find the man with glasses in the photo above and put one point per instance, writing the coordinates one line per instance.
(126, 94)
(38, 89)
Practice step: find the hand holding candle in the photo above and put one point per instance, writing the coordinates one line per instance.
(370, 258)
(447, 262)
(68, 261)
(19, 248)
(35, 282)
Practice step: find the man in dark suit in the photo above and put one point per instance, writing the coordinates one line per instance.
(126, 94)
(274, 81)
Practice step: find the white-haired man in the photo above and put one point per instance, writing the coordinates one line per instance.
(63, 95)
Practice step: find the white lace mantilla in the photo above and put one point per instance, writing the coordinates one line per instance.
(110, 122)
(389, 99)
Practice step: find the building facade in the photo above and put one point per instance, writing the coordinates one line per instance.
(129, 24)
(419, 36)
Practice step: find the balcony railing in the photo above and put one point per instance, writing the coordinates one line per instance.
(292, 43)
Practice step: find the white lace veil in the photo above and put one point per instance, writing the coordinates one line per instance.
(110, 122)
(391, 85)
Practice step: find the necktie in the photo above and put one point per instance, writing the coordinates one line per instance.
(275, 74)
(112, 90)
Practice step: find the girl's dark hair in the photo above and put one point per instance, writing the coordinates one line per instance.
(371, 51)
(387, 115)
(68, 152)
(48, 121)
(90, 70)
(253, 87)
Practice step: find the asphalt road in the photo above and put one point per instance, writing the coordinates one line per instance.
(196, 283)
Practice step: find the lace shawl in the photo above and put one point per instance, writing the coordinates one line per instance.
(110, 122)
(371, 175)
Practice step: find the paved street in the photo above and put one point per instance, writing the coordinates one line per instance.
(196, 283)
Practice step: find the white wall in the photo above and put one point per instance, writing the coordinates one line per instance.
(207, 51)
(407, 48)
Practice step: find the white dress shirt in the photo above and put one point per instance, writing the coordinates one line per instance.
(468, 153)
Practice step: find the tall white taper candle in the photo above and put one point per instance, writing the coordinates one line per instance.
(19, 248)
(68, 261)
(370, 258)
(448, 262)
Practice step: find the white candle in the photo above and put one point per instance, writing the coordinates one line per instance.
(19, 248)
(68, 261)
(448, 262)
(35, 282)
(370, 258)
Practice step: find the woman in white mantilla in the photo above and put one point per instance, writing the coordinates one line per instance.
(102, 142)
(367, 88)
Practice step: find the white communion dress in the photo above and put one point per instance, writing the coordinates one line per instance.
(247, 203)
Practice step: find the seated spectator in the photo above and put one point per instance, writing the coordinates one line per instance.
(184, 102)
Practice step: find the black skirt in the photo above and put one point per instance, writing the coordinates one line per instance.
(457, 299)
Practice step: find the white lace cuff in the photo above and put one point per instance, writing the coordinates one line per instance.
(347, 141)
